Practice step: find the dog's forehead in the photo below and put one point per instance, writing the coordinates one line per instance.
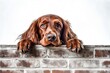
(49, 17)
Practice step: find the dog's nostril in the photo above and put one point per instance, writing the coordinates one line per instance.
(51, 37)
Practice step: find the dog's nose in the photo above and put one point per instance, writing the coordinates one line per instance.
(51, 37)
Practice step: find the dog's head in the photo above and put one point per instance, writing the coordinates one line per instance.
(49, 30)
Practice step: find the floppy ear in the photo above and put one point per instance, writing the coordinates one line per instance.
(67, 32)
(70, 39)
(32, 32)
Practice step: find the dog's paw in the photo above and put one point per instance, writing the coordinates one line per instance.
(24, 46)
(74, 45)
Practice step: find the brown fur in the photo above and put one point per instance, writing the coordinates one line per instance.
(36, 34)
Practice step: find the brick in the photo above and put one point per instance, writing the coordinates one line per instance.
(37, 71)
(11, 71)
(9, 53)
(103, 71)
(19, 63)
(46, 71)
(91, 71)
(102, 53)
(57, 71)
(67, 71)
(34, 71)
(58, 52)
(27, 63)
(61, 71)
(84, 64)
(106, 64)
(6, 63)
(47, 63)
(82, 71)
(37, 51)
(12, 53)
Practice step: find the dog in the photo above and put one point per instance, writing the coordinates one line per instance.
(49, 30)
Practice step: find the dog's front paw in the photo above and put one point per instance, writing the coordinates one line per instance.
(74, 45)
(24, 46)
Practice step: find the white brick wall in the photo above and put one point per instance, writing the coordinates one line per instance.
(93, 59)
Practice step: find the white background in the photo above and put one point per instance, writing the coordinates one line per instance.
(90, 19)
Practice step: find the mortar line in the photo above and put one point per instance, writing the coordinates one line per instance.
(54, 69)
(55, 58)
(94, 53)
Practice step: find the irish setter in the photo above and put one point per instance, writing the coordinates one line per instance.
(49, 30)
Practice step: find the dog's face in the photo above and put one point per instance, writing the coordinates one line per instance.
(50, 28)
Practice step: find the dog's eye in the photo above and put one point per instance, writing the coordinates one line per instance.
(57, 25)
(43, 26)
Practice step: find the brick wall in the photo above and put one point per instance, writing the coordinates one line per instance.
(93, 59)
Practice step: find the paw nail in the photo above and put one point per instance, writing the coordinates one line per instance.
(69, 48)
(73, 49)
(78, 49)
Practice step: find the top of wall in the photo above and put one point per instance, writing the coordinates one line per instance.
(54, 52)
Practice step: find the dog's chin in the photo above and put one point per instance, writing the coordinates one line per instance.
(45, 42)
(48, 44)
(51, 44)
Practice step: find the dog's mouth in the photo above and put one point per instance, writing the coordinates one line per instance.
(46, 42)
(50, 45)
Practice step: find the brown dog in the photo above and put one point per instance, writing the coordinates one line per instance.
(49, 30)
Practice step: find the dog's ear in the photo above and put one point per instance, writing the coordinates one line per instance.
(67, 32)
(32, 32)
